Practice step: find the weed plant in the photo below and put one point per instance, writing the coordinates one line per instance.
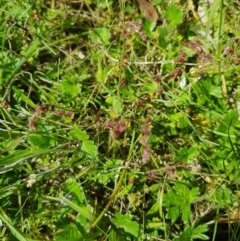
(115, 125)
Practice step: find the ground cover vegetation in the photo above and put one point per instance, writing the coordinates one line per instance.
(119, 120)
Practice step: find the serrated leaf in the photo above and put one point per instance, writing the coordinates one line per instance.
(173, 213)
(90, 148)
(148, 26)
(186, 235)
(101, 35)
(185, 154)
(151, 87)
(223, 196)
(190, 233)
(178, 201)
(125, 222)
(78, 134)
(107, 175)
(39, 141)
(216, 91)
(174, 15)
(198, 232)
(70, 232)
(117, 106)
(70, 87)
(124, 191)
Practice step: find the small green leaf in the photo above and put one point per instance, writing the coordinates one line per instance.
(190, 233)
(216, 91)
(39, 141)
(174, 15)
(178, 201)
(78, 134)
(70, 232)
(154, 209)
(198, 232)
(90, 148)
(186, 235)
(73, 187)
(125, 222)
(70, 86)
(148, 26)
(117, 106)
(186, 154)
(100, 76)
(124, 191)
(101, 35)
(162, 39)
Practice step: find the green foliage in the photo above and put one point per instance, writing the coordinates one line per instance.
(174, 14)
(178, 202)
(126, 222)
(70, 232)
(190, 233)
(186, 155)
(114, 127)
(101, 35)
(87, 146)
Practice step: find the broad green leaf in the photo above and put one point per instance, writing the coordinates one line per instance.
(173, 213)
(186, 235)
(39, 141)
(101, 35)
(198, 232)
(70, 86)
(90, 148)
(231, 117)
(148, 26)
(78, 134)
(151, 87)
(125, 222)
(224, 196)
(162, 39)
(174, 15)
(190, 233)
(70, 233)
(228, 125)
(216, 91)
(186, 154)
(83, 222)
(178, 201)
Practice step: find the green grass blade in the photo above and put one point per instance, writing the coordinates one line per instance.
(13, 230)
(78, 209)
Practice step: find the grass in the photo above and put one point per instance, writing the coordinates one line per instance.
(114, 127)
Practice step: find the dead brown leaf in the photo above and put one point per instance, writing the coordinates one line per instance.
(149, 11)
